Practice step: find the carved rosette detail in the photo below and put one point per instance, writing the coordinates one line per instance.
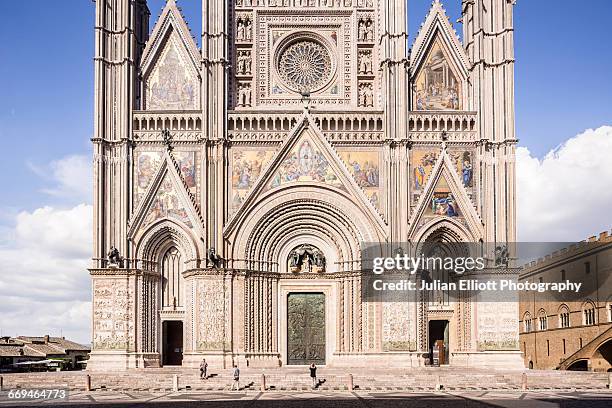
(305, 65)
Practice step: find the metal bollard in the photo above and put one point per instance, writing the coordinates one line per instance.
(175, 384)
(524, 381)
(263, 382)
(351, 386)
(88, 382)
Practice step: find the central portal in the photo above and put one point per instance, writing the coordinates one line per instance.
(305, 328)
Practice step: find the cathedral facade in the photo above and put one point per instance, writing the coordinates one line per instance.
(237, 183)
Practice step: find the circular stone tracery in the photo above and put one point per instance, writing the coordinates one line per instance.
(305, 65)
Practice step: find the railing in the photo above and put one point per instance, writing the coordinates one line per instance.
(157, 121)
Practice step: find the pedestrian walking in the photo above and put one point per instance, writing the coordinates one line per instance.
(236, 375)
(313, 375)
(203, 370)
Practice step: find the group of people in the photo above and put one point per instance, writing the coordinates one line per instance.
(236, 375)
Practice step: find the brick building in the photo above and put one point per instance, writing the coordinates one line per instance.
(565, 332)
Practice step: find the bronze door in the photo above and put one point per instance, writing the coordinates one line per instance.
(305, 328)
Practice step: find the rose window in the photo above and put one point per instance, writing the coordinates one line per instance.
(305, 65)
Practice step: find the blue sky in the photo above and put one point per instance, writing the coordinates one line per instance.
(563, 83)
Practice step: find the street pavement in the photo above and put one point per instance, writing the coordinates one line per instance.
(324, 399)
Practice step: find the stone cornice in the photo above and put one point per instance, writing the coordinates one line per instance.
(121, 272)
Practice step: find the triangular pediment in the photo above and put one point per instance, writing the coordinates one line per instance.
(444, 197)
(439, 65)
(437, 26)
(170, 64)
(306, 158)
(168, 197)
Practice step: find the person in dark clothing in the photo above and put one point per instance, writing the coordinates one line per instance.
(313, 375)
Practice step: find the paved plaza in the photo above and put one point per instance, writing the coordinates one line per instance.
(335, 399)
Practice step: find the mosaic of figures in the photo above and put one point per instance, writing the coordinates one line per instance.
(437, 86)
(147, 165)
(304, 3)
(246, 169)
(305, 163)
(364, 165)
(149, 162)
(443, 202)
(172, 85)
(463, 161)
(423, 162)
(167, 204)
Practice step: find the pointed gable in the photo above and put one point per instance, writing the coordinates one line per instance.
(166, 204)
(445, 197)
(305, 163)
(170, 64)
(170, 194)
(305, 157)
(439, 64)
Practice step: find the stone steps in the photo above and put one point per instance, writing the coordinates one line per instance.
(291, 379)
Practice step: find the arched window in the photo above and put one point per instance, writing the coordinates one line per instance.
(564, 317)
(172, 279)
(527, 322)
(542, 320)
(588, 314)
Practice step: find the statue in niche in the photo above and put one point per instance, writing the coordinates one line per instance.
(238, 3)
(240, 63)
(366, 95)
(369, 3)
(369, 27)
(240, 33)
(361, 30)
(244, 95)
(365, 62)
(214, 259)
(249, 29)
(115, 260)
(319, 260)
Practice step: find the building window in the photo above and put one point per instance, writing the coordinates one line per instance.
(610, 312)
(543, 323)
(527, 323)
(548, 347)
(541, 279)
(562, 275)
(581, 342)
(563, 346)
(587, 267)
(564, 319)
(589, 316)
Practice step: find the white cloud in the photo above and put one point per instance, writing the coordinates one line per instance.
(44, 282)
(44, 256)
(71, 176)
(566, 196)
